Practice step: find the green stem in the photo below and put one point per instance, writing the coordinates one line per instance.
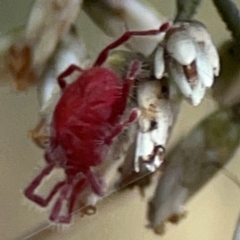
(186, 9)
(230, 15)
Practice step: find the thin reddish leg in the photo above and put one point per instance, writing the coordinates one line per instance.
(66, 73)
(128, 82)
(69, 193)
(134, 114)
(79, 187)
(56, 210)
(29, 191)
(124, 38)
(135, 66)
(96, 183)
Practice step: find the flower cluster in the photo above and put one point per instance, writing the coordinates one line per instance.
(188, 55)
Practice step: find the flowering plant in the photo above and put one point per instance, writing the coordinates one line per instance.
(175, 59)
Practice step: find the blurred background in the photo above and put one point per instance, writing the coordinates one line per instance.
(212, 213)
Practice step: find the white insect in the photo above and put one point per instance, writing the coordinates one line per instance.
(155, 122)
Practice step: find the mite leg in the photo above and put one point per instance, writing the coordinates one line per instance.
(72, 68)
(122, 102)
(125, 37)
(97, 184)
(134, 114)
(64, 205)
(128, 83)
(29, 191)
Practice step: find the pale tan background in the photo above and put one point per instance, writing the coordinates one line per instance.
(212, 213)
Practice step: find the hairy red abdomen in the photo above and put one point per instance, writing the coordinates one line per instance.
(84, 117)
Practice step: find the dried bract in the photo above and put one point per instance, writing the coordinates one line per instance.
(6, 42)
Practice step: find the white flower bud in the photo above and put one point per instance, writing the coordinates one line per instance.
(204, 67)
(200, 34)
(193, 59)
(177, 74)
(159, 63)
(181, 47)
(52, 19)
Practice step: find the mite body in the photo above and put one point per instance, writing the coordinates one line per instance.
(85, 121)
(87, 118)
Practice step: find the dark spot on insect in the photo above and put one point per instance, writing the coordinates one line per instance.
(153, 125)
(124, 133)
(165, 88)
(152, 106)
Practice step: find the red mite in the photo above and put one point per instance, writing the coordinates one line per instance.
(85, 121)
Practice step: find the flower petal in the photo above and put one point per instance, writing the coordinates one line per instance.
(176, 73)
(204, 67)
(159, 64)
(197, 94)
(200, 34)
(181, 47)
